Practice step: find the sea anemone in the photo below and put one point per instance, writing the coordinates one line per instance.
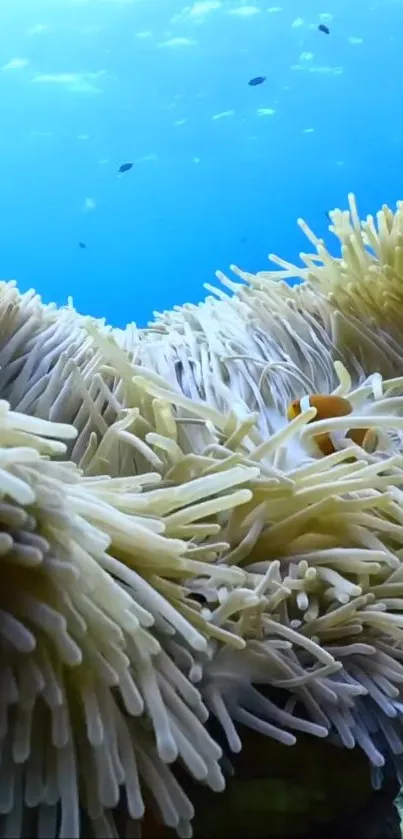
(173, 549)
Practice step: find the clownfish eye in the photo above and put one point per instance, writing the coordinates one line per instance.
(294, 409)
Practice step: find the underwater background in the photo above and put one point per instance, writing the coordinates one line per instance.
(221, 169)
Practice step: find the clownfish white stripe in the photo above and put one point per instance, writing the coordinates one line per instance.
(305, 403)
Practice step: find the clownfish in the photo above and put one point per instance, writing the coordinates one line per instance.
(327, 406)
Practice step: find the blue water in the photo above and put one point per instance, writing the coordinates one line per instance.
(221, 170)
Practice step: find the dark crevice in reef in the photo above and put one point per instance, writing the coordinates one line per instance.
(378, 818)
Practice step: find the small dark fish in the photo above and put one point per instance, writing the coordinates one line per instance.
(323, 28)
(327, 214)
(82, 245)
(257, 80)
(125, 167)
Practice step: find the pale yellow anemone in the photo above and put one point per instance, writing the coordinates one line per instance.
(357, 297)
(168, 540)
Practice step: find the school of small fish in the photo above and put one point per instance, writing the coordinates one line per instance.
(254, 82)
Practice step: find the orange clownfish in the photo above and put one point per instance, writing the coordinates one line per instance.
(327, 406)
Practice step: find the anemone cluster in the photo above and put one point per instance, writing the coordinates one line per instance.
(172, 549)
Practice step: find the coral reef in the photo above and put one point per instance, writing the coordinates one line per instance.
(172, 548)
